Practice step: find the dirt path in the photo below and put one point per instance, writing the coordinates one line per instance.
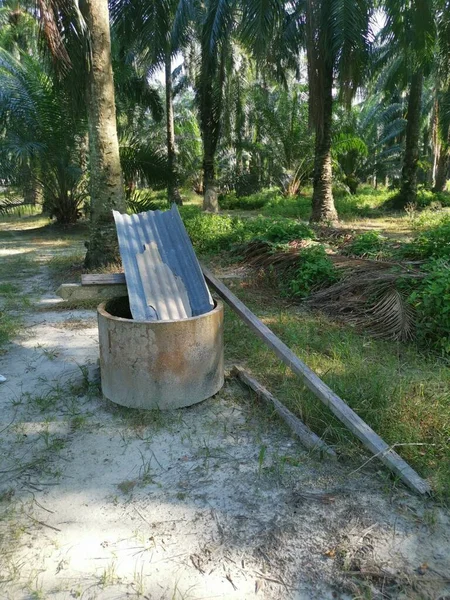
(214, 501)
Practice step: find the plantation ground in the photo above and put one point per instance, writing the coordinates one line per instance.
(215, 501)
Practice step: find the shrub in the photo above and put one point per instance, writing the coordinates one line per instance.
(431, 243)
(432, 303)
(367, 244)
(314, 269)
(277, 230)
(211, 233)
(255, 201)
(215, 233)
(294, 207)
(426, 198)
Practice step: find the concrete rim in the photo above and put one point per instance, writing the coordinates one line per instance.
(218, 307)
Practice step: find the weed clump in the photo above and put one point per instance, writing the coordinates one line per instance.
(314, 269)
(212, 234)
(368, 244)
(432, 304)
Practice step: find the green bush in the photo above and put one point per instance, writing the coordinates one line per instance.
(426, 198)
(294, 207)
(212, 234)
(314, 269)
(277, 230)
(255, 201)
(432, 303)
(367, 244)
(431, 243)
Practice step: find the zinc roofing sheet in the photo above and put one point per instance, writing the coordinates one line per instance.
(163, 275)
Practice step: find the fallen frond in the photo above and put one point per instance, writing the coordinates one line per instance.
(371, 294)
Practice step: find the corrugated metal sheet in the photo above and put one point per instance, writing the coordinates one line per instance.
(164, 278)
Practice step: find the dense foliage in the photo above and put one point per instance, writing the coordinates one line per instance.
(282, 110)
(222, 97)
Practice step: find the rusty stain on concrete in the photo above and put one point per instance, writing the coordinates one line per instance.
(160, 364)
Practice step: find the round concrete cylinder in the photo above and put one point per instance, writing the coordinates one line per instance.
(159, 364)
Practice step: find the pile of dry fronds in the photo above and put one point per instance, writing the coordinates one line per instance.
(370, 293)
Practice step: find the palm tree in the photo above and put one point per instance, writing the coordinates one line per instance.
(18, 28)
(147, 29)
(338, 42)
(70, 33)
(205, 31)
(443, 97)
(40, 134)
(408, 39)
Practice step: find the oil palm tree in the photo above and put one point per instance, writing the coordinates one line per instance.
(205, 30)
(146, 28)
(41, 133)
(408, 46)
(338, 41)
(79, 39)
(443, 97)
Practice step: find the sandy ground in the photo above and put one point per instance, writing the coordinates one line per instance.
(213, 501)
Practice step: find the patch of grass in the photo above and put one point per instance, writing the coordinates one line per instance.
(127, 486)
(368, 245)
(8, 289)
(12, 301)
(291, 207)
(396, 390)
(432, 242)
(367, 203)
(66, 269)
(9, 326)
(17, 266)
(314, 269)
(232, 201)
(212, 234)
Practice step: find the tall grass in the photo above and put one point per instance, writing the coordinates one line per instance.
(400, 393)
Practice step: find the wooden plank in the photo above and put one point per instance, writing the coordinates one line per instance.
(340, 409)
(307, 437)
(103, 279)
(75, 291)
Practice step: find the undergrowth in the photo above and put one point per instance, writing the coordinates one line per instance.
(211, 234)
(396, 390)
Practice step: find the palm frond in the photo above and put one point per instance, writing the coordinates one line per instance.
(391, 317)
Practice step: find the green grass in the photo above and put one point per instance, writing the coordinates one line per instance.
(66, 269)
(12, 300)
(368, 203)
(399, 392)
(9, 326)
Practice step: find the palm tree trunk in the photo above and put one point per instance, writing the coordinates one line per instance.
(173, 195)
(210, 137)
(210, 198)
(408, 188)
(323, 208)
(442, 167)
(107, 192)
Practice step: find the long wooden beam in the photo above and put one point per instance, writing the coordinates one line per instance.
(339, 408)
(307, 437)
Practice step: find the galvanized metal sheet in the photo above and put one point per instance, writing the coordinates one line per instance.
(158, 280)
(164, 278)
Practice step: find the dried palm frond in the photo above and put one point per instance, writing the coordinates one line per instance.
(367, 295)
(391, 317)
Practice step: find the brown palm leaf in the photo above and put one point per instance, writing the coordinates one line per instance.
(391, 317)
